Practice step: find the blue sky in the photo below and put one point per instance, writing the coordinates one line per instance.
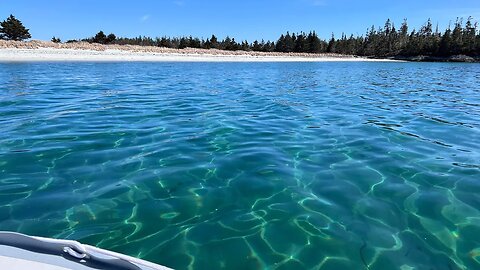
(247, 19)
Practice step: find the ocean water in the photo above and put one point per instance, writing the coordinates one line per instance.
(247, 165)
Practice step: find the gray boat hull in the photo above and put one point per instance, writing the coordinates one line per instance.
(19, 251)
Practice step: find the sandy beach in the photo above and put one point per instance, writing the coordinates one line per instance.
(15, 51)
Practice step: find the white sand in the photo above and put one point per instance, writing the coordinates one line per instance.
(112, 55)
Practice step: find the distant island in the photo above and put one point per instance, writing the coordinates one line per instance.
(460, 44)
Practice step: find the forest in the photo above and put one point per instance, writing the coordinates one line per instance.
(387, 41)
(460, 39)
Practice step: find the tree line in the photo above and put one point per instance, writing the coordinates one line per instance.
(461, 39)
(183, 42)
(387, 41)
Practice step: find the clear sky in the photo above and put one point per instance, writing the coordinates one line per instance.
(242, 19)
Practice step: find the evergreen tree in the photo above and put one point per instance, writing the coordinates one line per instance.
(269, 46)
(233, 46)
(401, 41)
(110, 38)
(371, 41)
(256, 46)
(413, 46)
(55, 40)
(289, 43)
(245, 46)
(314, 43)
(457, 40)
(331, 45)
(183, 43)
(280, 47)
(425, 40)
(214, 42)
(351, 46)
(393, 38)
(469, 36)
(388, 27)
(13, 29)
(165, 42)
(300, 43)
(445, 43)
(294, 41)
(100, 37)
(226, 44)
(194, 42)
(477, 44)
(404, 28)
(207, 44)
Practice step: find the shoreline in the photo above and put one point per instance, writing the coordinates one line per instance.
(42, 51)
(79, 55)
(433, 59)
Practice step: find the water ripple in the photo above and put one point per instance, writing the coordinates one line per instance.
(247, 165)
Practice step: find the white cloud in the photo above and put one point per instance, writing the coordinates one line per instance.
(145, 18)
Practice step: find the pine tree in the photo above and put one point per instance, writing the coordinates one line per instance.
(226, 43)
(214, 42)
(294, 42)
(477, 43)
(289, 43)
(426, 40)
(388, 27)
(55, 40)
(256, 46)
(392, 41)
(207, 44)
(404, 28)
(13, 29)
(183, 43)
(402, 40)
(110, 38)
(300, 43)
(371, 41)
(331, 45)
(280, 47)
(100, 37)
(314, 43)
(469, 37)
(233, 45)
(269, 46)
(457, 41)
(445, 43)
(413, 47)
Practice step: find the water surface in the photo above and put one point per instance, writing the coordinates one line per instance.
(247, 165)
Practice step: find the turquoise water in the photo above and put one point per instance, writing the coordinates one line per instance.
(247, 165)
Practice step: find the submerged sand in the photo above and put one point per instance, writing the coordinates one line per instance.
(17, 51)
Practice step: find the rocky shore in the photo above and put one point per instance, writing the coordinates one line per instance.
(424, 58)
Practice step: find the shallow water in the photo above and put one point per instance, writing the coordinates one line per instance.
(247, 165)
